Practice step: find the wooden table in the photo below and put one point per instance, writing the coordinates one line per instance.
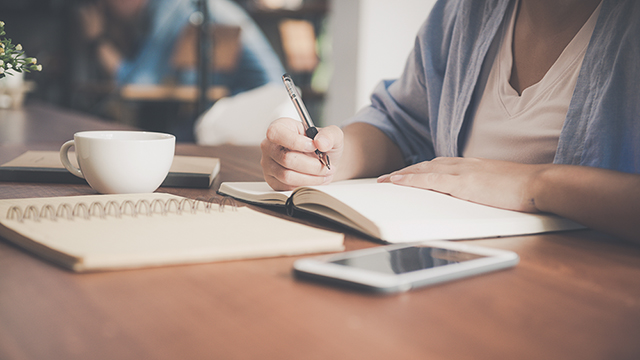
(574, 295)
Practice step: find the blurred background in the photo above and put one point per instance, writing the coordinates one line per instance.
(143, 62)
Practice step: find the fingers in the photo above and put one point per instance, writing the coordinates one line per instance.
(496, 183)
(288, 156)
(289, 134)
(444, 183)
(438, 165)
(440, 174)
(450, 166)
(278, 159)
(298, 169)
(328, 138)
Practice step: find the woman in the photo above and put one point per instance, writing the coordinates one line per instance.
(528, 105)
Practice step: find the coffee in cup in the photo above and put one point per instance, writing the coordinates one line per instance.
(121, 162)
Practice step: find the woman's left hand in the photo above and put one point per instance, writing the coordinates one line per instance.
(496, 183)
(601, 199)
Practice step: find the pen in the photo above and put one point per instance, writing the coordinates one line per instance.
(309, 128)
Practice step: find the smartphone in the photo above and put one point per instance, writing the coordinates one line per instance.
(402, 267)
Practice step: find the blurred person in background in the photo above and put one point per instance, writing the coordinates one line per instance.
(142, 42)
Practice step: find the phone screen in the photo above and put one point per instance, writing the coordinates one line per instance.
(403, 260)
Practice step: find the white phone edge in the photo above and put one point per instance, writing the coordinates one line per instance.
(320, 268)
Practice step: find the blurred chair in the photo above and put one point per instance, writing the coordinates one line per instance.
(224, 58)
(224, 54)
(299, 45)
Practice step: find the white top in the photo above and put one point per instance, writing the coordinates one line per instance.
(525, 128)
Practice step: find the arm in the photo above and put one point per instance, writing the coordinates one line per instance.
(601, 199)
(92, 23)
(109, 57)
(393, 131)
(368, 152)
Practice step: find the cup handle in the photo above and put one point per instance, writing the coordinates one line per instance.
(64, 158)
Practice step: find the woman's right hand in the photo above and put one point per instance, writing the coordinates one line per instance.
(289, 159)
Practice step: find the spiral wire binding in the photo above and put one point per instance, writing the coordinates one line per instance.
(117, 210)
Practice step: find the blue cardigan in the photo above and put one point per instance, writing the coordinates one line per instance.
(426, 110)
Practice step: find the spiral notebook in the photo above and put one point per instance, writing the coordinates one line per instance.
(103, 232)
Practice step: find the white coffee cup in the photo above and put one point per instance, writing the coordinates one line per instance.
(121, 162)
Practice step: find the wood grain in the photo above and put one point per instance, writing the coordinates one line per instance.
(574, 295)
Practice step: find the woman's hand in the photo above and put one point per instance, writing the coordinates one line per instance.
(496, 183)
(601, 199)
(289, 159)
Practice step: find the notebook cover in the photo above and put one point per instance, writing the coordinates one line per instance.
(45, 167)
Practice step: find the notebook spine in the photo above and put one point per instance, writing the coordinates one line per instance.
(116, 209)
(289, 207)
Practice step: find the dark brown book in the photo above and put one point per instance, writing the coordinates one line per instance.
(45, 167)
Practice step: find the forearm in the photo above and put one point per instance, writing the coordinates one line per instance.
(109, 57)
(368, 152)
(600, 199)
(92, 26)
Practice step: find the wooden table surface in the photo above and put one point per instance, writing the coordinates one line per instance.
(574, 295)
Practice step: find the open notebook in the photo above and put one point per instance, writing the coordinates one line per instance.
(101, 232)
(394, 213)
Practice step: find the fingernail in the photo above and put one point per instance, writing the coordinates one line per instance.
(396, 178)
(383, 178)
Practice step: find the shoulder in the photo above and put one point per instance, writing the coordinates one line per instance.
(614, 46)
(619, 19)
(605, 107)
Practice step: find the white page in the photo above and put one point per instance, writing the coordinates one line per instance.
(405, 214)
(258, 191)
